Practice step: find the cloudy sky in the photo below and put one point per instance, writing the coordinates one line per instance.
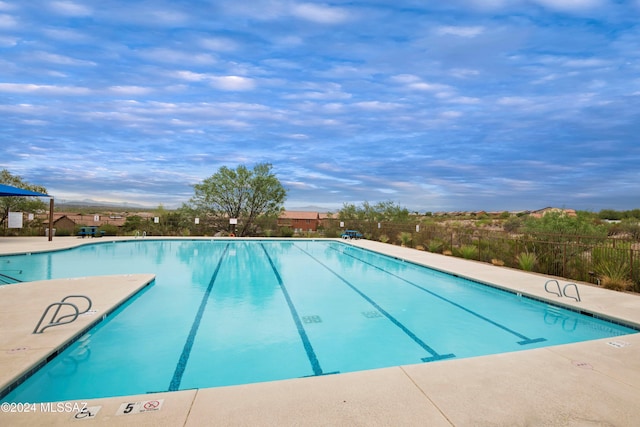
(435, 105)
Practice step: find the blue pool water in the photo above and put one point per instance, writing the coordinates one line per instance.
(234, 312)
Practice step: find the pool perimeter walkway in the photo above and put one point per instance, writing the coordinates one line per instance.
(594, 383)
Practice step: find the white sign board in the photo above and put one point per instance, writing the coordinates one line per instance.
(15, 220)
(156, 219)
(96, 218)
(233, 221)
(197, 220)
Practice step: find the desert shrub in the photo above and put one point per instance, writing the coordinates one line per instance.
(527, 260)
(468, 251)
(613, 267)
(109, 229)
(614, 274)
(405, 238)
(286, 232)
(512, 224)
(384, 238)
(435, 246)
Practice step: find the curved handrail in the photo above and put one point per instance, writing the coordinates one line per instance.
(551, 291)
(564, 291)
(60, 320)
(53, 319)
(53, 323)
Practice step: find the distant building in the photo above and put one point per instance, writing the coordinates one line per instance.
(299, 221)
(68, 221)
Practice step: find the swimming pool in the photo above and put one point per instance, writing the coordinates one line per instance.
(234, 312)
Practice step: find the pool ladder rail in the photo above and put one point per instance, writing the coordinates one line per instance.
(59, 321)
(562, 292)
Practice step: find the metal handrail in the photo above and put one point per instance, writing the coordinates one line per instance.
(552, 292)
(564, 291)
(59, 321)
(72, 296)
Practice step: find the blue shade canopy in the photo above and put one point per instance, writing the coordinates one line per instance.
(7, 190)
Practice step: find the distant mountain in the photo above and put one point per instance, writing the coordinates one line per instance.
(90, 203)
(312, 208)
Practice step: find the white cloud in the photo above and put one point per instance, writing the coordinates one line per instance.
(7, 22)
(321, 14)
(463, 73)
(70, 8)
(218, 44)
(189, 75)
(377, 105)
(65, 34)
(60, 59)
(6, 6)
(130, 90)
(8, 41)
(570, 5)
(450, 114)
(464, 100)
(585, 63)
(174, 56)
(45, 89)
(233, 83)
(460, 31)
(513, 100)
(428, 86)
(405, 78)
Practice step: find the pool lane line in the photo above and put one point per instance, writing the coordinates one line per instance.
(188, 345)
(313, 359)
(525, 339)
(434, 354)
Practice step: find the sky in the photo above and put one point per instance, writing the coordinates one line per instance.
(435, 105)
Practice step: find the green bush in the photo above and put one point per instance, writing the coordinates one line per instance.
(527, 260)
(468, 251)
(436, 246)
(109, 229)
(405, 238)
(286, 232)
(613, 267)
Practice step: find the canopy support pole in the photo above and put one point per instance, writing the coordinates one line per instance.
(51, 219)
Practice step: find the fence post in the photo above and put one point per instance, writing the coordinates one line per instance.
(633, 275)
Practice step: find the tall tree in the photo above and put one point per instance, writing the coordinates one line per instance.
(16, 204)
(239, 193)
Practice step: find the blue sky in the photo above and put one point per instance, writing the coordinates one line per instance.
(456, 105)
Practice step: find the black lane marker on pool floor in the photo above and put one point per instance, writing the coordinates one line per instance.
(186, 351)
(317, 370)
(525, 339)
(434, 354)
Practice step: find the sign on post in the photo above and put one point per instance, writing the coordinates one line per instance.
(15, 220)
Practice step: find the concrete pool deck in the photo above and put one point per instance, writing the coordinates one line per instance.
(582, 384)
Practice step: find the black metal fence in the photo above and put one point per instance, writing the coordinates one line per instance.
(584, 258)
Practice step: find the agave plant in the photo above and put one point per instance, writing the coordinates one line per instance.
(468, 251)
(435, 246)
(405, 238)
(614, 274)
(527, 260)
